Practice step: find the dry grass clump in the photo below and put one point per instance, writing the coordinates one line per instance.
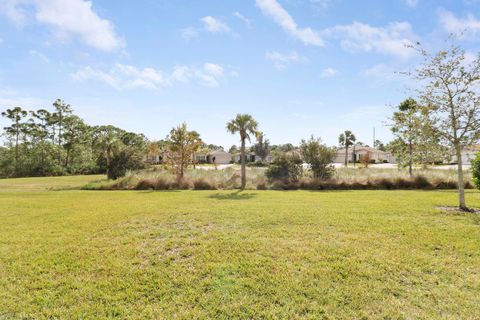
(379, 182)
(203, 184)
(229, 178)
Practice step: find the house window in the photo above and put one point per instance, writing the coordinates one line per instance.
(200, 158)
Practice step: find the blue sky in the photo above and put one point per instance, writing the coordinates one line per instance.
(300, 67)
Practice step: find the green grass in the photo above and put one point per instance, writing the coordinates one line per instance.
(47, 183)
(74, 254)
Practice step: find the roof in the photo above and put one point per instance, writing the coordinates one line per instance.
(473, 148)
(361, 148)
(218, 151)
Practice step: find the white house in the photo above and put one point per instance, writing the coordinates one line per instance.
(252, 157)
(359, 152)
(217, 156)
(468, 154)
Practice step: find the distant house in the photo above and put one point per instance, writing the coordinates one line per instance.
(218, 156)
(468, 154)
(155, 158)
(251, 157)
(357, 153)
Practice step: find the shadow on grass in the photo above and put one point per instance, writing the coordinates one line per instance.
(237, 195)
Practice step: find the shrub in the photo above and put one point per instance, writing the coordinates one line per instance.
(262, 186)
(202, 184)
(285, 185)
(476, 170)
(126, 159)
(146, 184)
(385, 183)
(258, 164)
(446, 185)
(153, 184)
(421, 182)
(319, 157)
(286, 167)
(182, 184)
(162, 184)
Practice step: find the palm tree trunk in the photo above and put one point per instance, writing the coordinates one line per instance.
(410, 158)
(67, 158)
(16, 151)
(242, 160)
(109, 161)
(461, 187)
(346, 154)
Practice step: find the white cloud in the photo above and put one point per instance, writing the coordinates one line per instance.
(189, 33)
(328, 73)
(380, 71)
(392, 39)
(281, 60)
(39, 55)
(89, 73)
(323, 4)
(384, 74)
(68, 18)
(213, 69)
(181, 74)
(123, 76)
(10, 98)
(469, 26)
(210, 75)
(240, 16)
(411, 3)
(214, 25)
(274, 10)
(13, 12)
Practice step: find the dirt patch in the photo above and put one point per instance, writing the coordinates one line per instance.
(457, 210)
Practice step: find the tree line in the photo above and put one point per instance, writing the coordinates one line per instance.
(57, 142)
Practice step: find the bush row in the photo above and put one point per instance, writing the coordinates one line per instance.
(160, 183)
(417, 182)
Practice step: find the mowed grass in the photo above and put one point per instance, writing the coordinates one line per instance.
(75, 254)
(47, 183)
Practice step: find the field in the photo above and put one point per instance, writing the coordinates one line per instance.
(73, 254)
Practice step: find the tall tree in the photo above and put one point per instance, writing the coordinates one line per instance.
(62, 110)
(450, 89)
(16, 115)
(346, 139)
(245, 125)
(379, 145)
(182, 145)
(107, 140)
(319, 157)
(406, 127)
(75, 135)
(262, 147)
(233, 149)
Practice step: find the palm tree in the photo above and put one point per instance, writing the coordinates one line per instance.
(109, 143)
(245, 125)
(346, 139)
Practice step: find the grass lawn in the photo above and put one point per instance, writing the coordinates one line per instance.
(73, 254)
